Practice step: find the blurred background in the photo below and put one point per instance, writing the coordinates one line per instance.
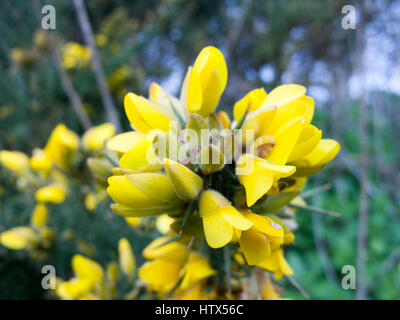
(353, 75)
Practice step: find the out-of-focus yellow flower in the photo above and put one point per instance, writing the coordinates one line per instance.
(15, 161)
(269, 292)
(163, 223)
(61, 144)
(40, 161)
(143, 194)
(221, 221)
(90, 201)
(101, 39)
(126, 258)
(94, 138)
(19, 238)
(133, 221)
(74, 55)
(277, 264)
(170, 263)
(186, 183)
(163, 272)
(23, 58)
(54, 193)
(39, 216)
(261, 239)
(88, 274)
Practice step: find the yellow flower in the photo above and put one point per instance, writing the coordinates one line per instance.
(259, 176)
(221, 221)
(204, 83)
(277, 264)
(88, 274)
(15, 161)
(75, 55)
(19, 238)
(143, 194)
(133, 221)
(40, 161)
(261, 239)
(40, 216)
(61, 144)
(126, 258)
(186, 183)
(164, 271)
(172, 262)
(163, 223)
(54, 193)
(94, 138)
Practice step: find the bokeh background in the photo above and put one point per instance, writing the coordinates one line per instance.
(353, 75)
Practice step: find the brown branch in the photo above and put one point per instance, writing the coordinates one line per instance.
(87, 32)
(66, 83)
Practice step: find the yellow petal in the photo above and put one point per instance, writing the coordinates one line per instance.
(161, 274)
(156, 185)
(211, 201)
(285, 140)
(87, 268)
(217, 230)
(141, 158)
(250, 102)
(224, 118)
(143, 114)
(39, 216)
(14, 160)
(256, 121)
(126, 258)
(210, 59)
(54, 193)
(325, 151)
(259, 176)
(284, 94)
(235, 218)
(18, 238)
(170, 251)
(94, 138)
(277, 264)
(40, 161)
(191, 93)
(124, 192)
(308, 140)
(163, 224)
(196, 269)
(186, 183)
(255, 246)
(124, 142)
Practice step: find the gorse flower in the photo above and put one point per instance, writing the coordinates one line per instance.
(217, 178)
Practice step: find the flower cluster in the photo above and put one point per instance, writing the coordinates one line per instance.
(49, 173)
(219, 180)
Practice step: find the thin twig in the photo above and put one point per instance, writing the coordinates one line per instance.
(316, 210)
(315, 191)
(298, 287)
(66, 83)
(87, 32)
